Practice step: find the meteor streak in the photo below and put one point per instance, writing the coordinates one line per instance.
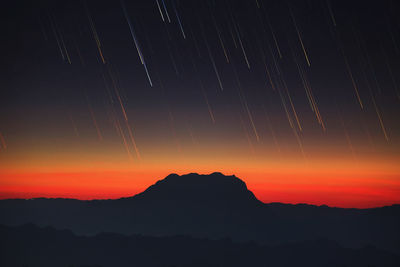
(95, 35)
(136, 42)
(179, 21)
(212, 59)
(300, 39)
(159, 9)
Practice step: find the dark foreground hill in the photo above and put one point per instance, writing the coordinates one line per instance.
(210, 206)
(29, 245)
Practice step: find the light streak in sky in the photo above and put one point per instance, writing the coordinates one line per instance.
(271, 130)
(99, 135)
(274, 37)
(123, 110)
(353, 82)
(380, 118)
(246, 133)
(244, 103)
(136, 42)
(220, 40)
(95, 35)
(378, 113)
(166, 11)
(203, 90)
(159, 9)
(212, 59)
(241, 45)
(59, 39)
(195, 42)
(179, 21)
(79, 53)
(310, 96)
(331, 12)
(121, 133)
(292, 105)
(300, 39)
(132, 139)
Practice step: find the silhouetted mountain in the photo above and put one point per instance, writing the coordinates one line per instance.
(215, 188)
(29, 245)
(210, 206)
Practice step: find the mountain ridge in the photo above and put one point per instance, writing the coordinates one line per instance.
(29, 245)
(194, 187)
(210, 206)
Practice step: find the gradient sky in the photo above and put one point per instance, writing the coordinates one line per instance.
(300, 99)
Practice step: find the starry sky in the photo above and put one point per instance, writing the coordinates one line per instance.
(300, 99)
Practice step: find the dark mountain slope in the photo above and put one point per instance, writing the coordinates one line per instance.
(215, 188)
(29, 245)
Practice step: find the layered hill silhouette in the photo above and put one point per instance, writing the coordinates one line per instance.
(29, 245)
(210, 206)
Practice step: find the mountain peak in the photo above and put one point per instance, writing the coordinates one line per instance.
(199, 187)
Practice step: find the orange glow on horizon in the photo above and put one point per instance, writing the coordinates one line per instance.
(324, 175)
(333, 183)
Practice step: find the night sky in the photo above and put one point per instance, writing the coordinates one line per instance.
(300, 99)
